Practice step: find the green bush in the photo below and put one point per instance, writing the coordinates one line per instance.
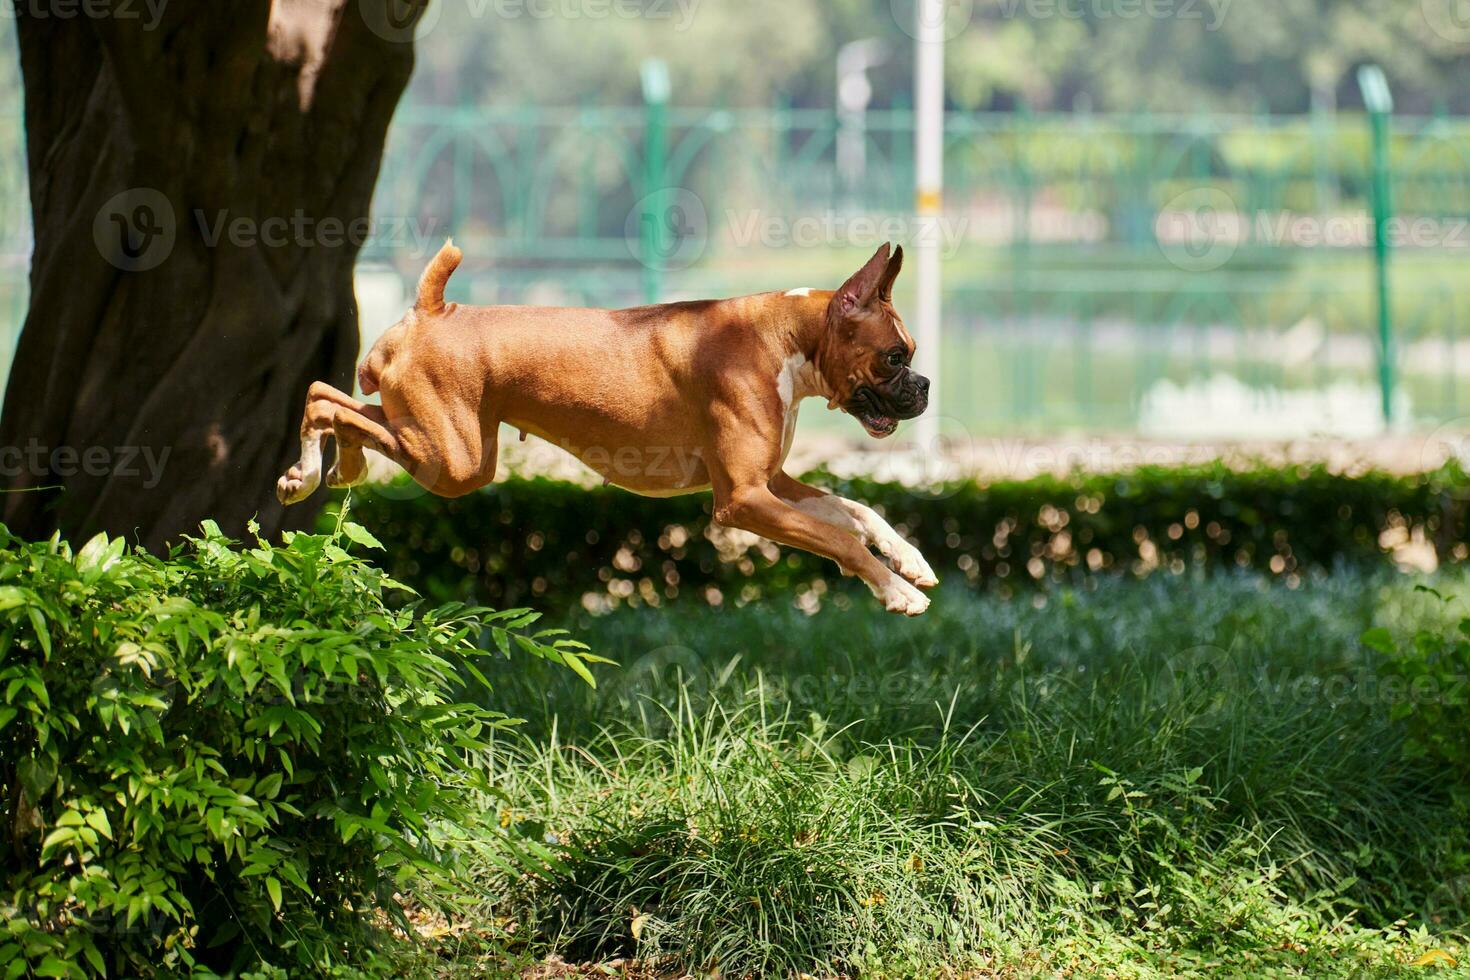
(1431, 680)
(231, 758)
(542, 538)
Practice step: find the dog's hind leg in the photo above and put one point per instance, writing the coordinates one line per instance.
(448, 445)
(448, 455)
(302, 479)
(326, 409)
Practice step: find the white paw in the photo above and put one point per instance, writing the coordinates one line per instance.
(908, 562)
(296, 486)
(900, 597)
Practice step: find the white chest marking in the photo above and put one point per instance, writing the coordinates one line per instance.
(803, 291)
(797, 380)
(786, 380)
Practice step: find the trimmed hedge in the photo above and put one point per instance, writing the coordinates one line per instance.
(546, 540)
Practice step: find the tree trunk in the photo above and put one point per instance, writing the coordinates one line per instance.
(200, 186)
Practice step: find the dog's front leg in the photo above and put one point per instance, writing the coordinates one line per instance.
(757, 510)
(744, 454)
(862, 522)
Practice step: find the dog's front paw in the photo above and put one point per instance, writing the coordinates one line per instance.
(900, 597)
(908, 562)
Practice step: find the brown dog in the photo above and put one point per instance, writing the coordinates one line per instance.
(660, 400)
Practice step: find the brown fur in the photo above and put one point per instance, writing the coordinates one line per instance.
(660, 400)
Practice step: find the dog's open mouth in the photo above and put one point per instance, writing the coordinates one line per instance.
(868, 409)
(878, 426)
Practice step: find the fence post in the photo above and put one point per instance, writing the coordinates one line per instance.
(780, 134)
(586, 175)
(1027, 395)
(651, 247)
(1379, 102)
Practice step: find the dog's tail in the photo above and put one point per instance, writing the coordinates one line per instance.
(430, 303)
(436, 277)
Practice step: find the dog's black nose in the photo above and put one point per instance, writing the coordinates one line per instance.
(922, 383)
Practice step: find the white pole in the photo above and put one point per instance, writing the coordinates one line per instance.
(929, 170)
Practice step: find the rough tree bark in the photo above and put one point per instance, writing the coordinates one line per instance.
(200, 189)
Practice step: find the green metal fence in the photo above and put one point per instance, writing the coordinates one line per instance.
(1099, 269)
(1091, 262)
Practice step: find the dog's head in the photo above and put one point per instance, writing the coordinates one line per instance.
(866, 351)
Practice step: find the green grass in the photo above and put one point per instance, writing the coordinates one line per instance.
(1179, 777)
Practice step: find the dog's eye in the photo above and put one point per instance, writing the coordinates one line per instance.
(895, 360)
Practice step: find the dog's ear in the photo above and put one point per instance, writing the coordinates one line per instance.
(895, 266)
(436, 277)
(860, 290)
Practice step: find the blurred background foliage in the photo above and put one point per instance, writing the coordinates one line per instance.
(1210, 55)
(1081, 132)
(1079, 129)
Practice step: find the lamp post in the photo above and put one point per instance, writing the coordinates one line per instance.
(928, 204)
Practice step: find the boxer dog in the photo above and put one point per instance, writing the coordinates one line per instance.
(659, 400)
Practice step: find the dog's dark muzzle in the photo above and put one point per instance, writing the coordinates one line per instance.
(881, 409)
(912, 397)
